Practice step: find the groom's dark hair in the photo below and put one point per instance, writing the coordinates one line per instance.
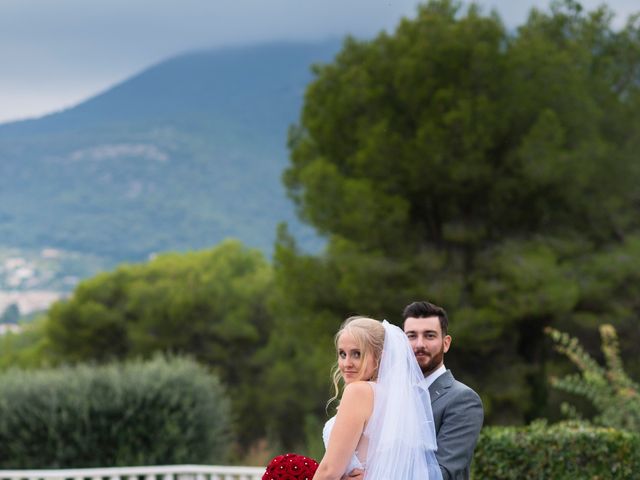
(425, 309)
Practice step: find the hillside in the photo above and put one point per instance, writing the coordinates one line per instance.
(179, 157)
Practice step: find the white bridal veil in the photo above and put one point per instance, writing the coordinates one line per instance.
(401, 431)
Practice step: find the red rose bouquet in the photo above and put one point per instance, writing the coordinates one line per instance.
(290, 466)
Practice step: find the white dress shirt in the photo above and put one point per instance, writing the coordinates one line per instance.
(433, 376)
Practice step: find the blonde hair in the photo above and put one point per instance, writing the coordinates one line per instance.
(369, 335)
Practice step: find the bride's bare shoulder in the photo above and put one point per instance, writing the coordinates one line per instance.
(358, 389)
(357, 401)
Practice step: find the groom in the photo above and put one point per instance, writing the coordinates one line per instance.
(457, 409)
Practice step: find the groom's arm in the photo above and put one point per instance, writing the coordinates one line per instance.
(458, 434)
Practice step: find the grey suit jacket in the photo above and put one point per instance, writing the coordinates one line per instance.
(458, 415)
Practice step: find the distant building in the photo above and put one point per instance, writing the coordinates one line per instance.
(9, 327)
(29, 301)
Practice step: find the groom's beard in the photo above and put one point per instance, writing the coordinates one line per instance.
(431, 361)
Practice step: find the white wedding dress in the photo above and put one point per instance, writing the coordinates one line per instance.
(399, 441)
(359, 456)
(358, 460)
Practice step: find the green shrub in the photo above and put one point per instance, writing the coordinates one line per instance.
(163, 411)
(563, 451)
(614, 394)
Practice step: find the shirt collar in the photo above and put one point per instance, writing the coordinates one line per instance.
(433, 376)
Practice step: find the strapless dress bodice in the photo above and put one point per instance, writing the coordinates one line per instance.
(326, 433)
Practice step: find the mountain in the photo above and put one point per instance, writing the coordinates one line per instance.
(179, 157)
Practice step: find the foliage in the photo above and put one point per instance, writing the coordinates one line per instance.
(610, 389)
(210, 305)
(24, 349)
(563, 452)
(163, 411)
(492, 172)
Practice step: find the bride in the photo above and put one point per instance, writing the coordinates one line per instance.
(384, 424)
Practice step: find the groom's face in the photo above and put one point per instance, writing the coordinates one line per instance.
(427, 341)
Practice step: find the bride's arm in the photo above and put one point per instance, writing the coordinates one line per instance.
(355, 409)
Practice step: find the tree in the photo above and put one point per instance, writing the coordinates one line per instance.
(210, 305)
(488, 171)
(26, 348)
(11, 314)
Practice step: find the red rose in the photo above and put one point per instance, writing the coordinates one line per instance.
(290, 466)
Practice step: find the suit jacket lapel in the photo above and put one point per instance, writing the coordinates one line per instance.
(442, 384)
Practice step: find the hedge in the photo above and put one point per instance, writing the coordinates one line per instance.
(562, 451)
(163, 411)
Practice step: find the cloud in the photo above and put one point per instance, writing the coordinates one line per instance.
(67, 48)
(58, 48)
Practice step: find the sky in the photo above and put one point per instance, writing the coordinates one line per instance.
(55, 54)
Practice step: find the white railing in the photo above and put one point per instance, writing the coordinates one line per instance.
(170, 472)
